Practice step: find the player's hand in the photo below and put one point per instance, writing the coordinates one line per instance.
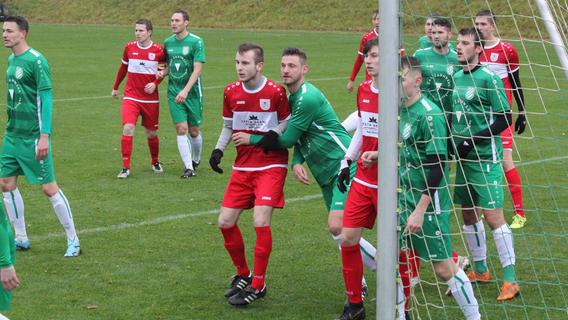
(215, 159)
(269, 142)
(369, 158)
(115, 94)
(301, 174)
(182, 95)
(150, 88)
(464, 148)
(42, 146)
(415, 221)
(344, 176)
(241, 139)
(350, 85)
(9, 278)
(160, 74)
(521, 123)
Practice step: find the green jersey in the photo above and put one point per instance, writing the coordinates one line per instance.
(422, 133)
(437, 75)
(323, 141)
(478, 95)
(181, 55)
(27, 75)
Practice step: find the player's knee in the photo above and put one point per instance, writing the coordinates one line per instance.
(128, 130)
(181, 129)
(349, 239)
(50, 189)
(7, 185)
(193, 131)
(151, 134)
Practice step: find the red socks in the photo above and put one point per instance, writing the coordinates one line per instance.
(126, 149)
(516, 189)
(236, 247)
(352, 272)
(154, 146)
(262, 251)
(409, 267)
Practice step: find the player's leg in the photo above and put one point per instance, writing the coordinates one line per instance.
(460, 286)
(150, 119)
(352, 267)
(513, 182)
(235, 246)
(195, 119)
(474, 231)
(179, 114)
(15, 209)
(62, 209)
(130, 111)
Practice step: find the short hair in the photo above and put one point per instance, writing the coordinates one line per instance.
(442, 22)
(183, 13)
(255, 48)
(375, 12)
(475, 33)
(434, 16)
(370, 44)
(22, 23)
(411, 63)
(146, 23)
(488, 14)
(296, 52)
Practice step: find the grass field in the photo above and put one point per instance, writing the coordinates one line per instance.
(151, 246)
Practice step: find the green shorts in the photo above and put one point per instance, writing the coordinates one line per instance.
(478, 184)
(335, 199)
(18, 158)
(190, 111)
(6, 233)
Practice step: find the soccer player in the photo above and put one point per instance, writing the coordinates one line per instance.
(318, 139)
(481, 112)
(426, 40)
(7, 259)
(373, 34)
(425, 198)
(185, 54)
(140, 60)
(26, 147)
(253, 104)
(503, 59)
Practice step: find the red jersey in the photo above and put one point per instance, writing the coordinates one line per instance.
(366, 38)
(256, 112)
(368, 109)
(142, 66)
(503, 59)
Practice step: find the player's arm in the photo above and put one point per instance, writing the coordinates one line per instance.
(222, 143)
(120, 74)
(7, 272)
(197, 68)
(350, 123)
(299, 170)
(344, 175)
(356, 67)
(516, 86)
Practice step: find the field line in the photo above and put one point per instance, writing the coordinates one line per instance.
(160, 220)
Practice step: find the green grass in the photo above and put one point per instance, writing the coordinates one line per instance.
(151, 246)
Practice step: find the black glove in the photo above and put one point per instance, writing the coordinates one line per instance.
(344, 176)
(269, 142)
(521, 123)
(464, 148)
(215, 159)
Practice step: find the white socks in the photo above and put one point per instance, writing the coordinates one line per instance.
(63, 212)
(462, 292)
(197, 145)
(368, 252)
(400, 302)
(184, 147)
(504, 242)
(15, 209)
(475, 236)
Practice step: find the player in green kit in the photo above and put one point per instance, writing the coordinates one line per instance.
(7, 260)
(480, 113)
(26, 147)
(185, 54)
(318, 139)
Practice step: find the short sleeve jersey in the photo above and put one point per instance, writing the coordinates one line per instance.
(368, 110)
(423, 133)
(256, 112)
(366, 38)
(324, 141)
(181, 55)
(478, 96)
(26, 76)
(503, 59)
(438, 72)
(142, 65)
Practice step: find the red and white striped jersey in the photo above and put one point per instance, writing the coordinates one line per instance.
(143, 64)
(256, 112)
(503, 59)
(368, 110)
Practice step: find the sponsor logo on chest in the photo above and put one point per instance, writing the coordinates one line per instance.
(370, 124)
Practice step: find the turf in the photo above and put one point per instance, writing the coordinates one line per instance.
(151, 246)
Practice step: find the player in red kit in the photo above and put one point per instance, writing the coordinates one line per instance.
(502, 58)
(254, 104)
(140, 61)
(373, 34)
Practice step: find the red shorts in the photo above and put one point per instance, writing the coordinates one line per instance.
(360, 207)
(507, 138)
(150, 113)
(247, 189)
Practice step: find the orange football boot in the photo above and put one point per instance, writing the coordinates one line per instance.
(474, 276)
(509, 290)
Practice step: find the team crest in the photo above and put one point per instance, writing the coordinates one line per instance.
(494, 56)
(264, 104)
(470, 93)
(406, 131)
(19, 73)
(185, 50)
(450, 69)
(151, 56)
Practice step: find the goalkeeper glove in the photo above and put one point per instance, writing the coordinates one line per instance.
(521, 123)
(344, 175)
(215, 159)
